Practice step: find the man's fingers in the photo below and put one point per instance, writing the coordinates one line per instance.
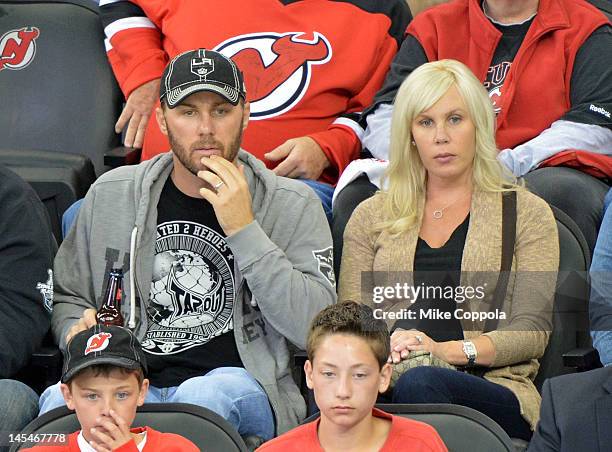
(71, 332)
(140, 132)
(89, 316)
(136, 112)
(285, 168)
(87, 321)
(212, 178)
(125, 116)
(209, 196)
(296, 173)
(134, 128)
(226, 171)
(280, 152)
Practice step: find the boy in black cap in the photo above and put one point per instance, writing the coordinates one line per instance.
(103, 381)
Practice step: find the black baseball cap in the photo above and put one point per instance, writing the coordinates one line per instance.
(101, 344)
(201, 70)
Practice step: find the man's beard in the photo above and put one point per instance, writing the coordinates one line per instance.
(185, 155)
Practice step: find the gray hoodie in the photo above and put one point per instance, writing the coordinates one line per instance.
(283, 266)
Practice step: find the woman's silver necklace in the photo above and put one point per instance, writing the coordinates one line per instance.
(439, 213)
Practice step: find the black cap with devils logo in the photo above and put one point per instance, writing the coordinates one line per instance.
(101, 344)
(201, 70)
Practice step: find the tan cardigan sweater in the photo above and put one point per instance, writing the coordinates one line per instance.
(520, 339)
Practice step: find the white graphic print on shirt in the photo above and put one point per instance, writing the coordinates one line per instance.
(192, 292)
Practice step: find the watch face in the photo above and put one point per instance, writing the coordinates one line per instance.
(469, 349)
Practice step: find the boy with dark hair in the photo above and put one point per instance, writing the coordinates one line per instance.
(347, 368)
(104, 382)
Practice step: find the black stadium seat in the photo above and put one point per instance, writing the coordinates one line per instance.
(58, 178)
(57, 90)
(571, 305)
(461, 428)
(207, 430)
(604, 5)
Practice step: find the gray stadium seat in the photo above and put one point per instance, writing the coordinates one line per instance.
(57, 88)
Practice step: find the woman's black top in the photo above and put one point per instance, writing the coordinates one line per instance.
(437, 272)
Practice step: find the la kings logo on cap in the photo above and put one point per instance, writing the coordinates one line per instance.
(202, 67)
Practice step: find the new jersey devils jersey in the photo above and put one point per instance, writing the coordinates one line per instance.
(310, 66)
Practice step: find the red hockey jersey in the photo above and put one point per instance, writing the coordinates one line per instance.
(310, 66)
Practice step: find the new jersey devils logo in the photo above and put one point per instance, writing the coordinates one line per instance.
(495, 96)
(97, 343)
(277, 67)
(18, 48)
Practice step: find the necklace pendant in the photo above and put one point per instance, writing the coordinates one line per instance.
(437, 214)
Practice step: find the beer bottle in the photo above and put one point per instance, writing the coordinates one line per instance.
(110, 312)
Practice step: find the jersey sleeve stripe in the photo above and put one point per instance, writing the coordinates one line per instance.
(112, 11)
(125, 24)
(108, 2)
(353, 125)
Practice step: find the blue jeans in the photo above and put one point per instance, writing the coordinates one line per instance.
(18, 406)
(231, 392)
(69, 216)
(600, 304)
(324, 192)
(438, 385)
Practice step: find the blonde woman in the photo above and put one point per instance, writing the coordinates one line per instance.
(441, 217)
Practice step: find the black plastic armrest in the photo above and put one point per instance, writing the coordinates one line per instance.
(121, 156)
(299, 358)
(582, 359)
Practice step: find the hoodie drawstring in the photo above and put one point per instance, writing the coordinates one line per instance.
(132, 321)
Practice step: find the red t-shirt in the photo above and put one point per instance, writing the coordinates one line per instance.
(156, 441)
(406, 435)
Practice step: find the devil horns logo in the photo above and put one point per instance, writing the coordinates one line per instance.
(97, 343)
(277, 67)
(18, 48)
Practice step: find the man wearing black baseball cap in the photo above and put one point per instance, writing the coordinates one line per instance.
(104, 382)
(225, 263)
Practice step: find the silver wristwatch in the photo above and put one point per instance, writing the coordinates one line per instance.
(470, 351)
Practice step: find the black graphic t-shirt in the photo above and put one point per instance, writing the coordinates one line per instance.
(509, 44)
(191, 302)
